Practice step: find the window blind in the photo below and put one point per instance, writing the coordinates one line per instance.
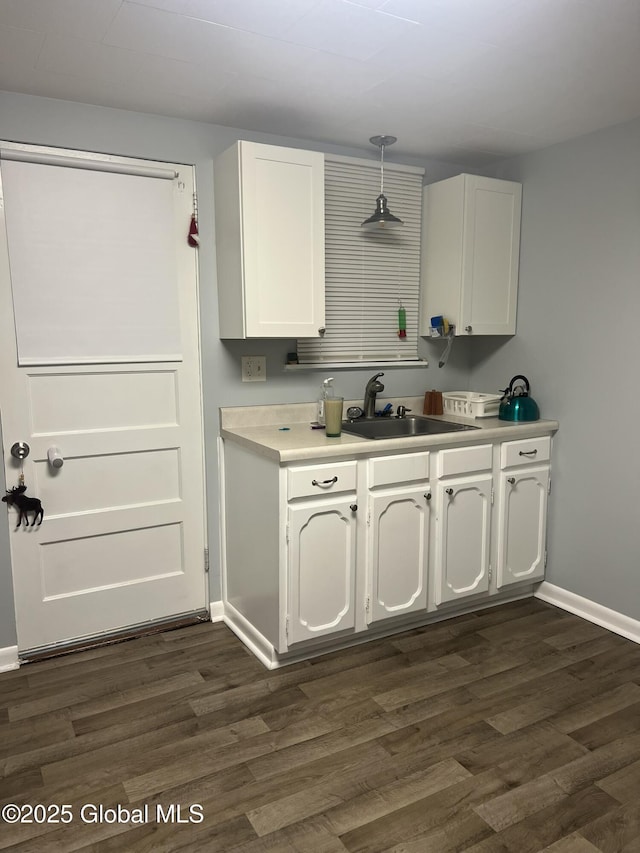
(368, 273)
(75, 232)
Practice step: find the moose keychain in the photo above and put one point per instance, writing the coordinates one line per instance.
(16, 495)
(24, 504)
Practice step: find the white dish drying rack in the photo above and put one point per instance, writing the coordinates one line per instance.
(471, 404)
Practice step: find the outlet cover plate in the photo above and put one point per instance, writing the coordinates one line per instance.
(254, 368)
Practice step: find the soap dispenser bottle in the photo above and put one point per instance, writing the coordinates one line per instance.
(325, 391)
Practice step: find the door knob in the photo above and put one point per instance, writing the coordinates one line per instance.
(56, 459)
(20, 450)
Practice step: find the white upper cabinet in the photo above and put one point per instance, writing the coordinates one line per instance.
(269, 208)
(470, 254)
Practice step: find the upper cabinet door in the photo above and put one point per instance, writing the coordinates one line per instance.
(491, 256)
(269, 204)
(470, 254)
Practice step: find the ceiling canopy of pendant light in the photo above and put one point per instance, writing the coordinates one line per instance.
(382, 216)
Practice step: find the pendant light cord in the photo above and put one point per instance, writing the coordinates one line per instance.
(382, 169)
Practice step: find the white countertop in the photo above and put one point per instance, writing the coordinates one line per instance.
(284, 433)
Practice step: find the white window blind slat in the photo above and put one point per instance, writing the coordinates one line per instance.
(368, 273)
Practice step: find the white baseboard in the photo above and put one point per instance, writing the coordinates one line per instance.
(9, 658)
(216, 609)
(252, 638)
(587, 609)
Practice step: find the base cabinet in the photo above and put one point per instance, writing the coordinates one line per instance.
(321, 568)
(463, 536)
(379, 542)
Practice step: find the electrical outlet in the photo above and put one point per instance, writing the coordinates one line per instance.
(254, 368)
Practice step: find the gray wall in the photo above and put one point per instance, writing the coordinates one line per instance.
(69, 125)
(577, 341)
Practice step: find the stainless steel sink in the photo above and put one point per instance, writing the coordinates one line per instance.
(399, 427)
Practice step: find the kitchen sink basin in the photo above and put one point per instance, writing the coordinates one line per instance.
(399, 427)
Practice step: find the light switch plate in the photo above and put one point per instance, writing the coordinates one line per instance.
(254, 368)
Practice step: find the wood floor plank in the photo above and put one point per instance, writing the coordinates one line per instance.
(624, 784)
(346, 807)
(96, 697)
(307, 837)
(37, 837)
(609, 728)
(547, 825)
(616, 829)
(540, 743)
(302, 751)
(424, 816)
(548, 704)
(421, 688)
(513, 806)
(574, 843)
(169, 838)
(595, 765)
(463, 833)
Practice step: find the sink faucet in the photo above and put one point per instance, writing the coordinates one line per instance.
(373, 387)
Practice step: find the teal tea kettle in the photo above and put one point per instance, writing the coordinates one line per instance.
(516, 404)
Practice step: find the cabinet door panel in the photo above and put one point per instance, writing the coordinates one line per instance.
(399, 537)
(462, 537)
(522, 528)
(283, 220)
(322, 556)
(490, 260)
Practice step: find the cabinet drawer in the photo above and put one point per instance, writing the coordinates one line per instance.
(524, 451)
(307, 480)
(408, 468)
(461, 460)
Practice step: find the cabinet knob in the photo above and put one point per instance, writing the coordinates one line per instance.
(321, 331)
(449, 492)
(468, 329)
(511, 480)
(354, 507)
(427, 496)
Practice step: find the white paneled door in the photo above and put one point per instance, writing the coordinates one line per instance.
(122, 540)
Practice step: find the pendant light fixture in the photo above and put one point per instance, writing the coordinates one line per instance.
(382, 216)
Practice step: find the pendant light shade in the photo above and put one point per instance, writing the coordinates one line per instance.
(382, 216)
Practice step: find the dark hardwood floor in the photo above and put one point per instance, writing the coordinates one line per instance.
(513, 729)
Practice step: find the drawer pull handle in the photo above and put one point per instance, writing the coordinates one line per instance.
(527, 452)
(324, 482)
(449, 492)
(511, 480)
(354, 507)
(427, 496)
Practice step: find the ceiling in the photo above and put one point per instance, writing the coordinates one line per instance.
(467, 81)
